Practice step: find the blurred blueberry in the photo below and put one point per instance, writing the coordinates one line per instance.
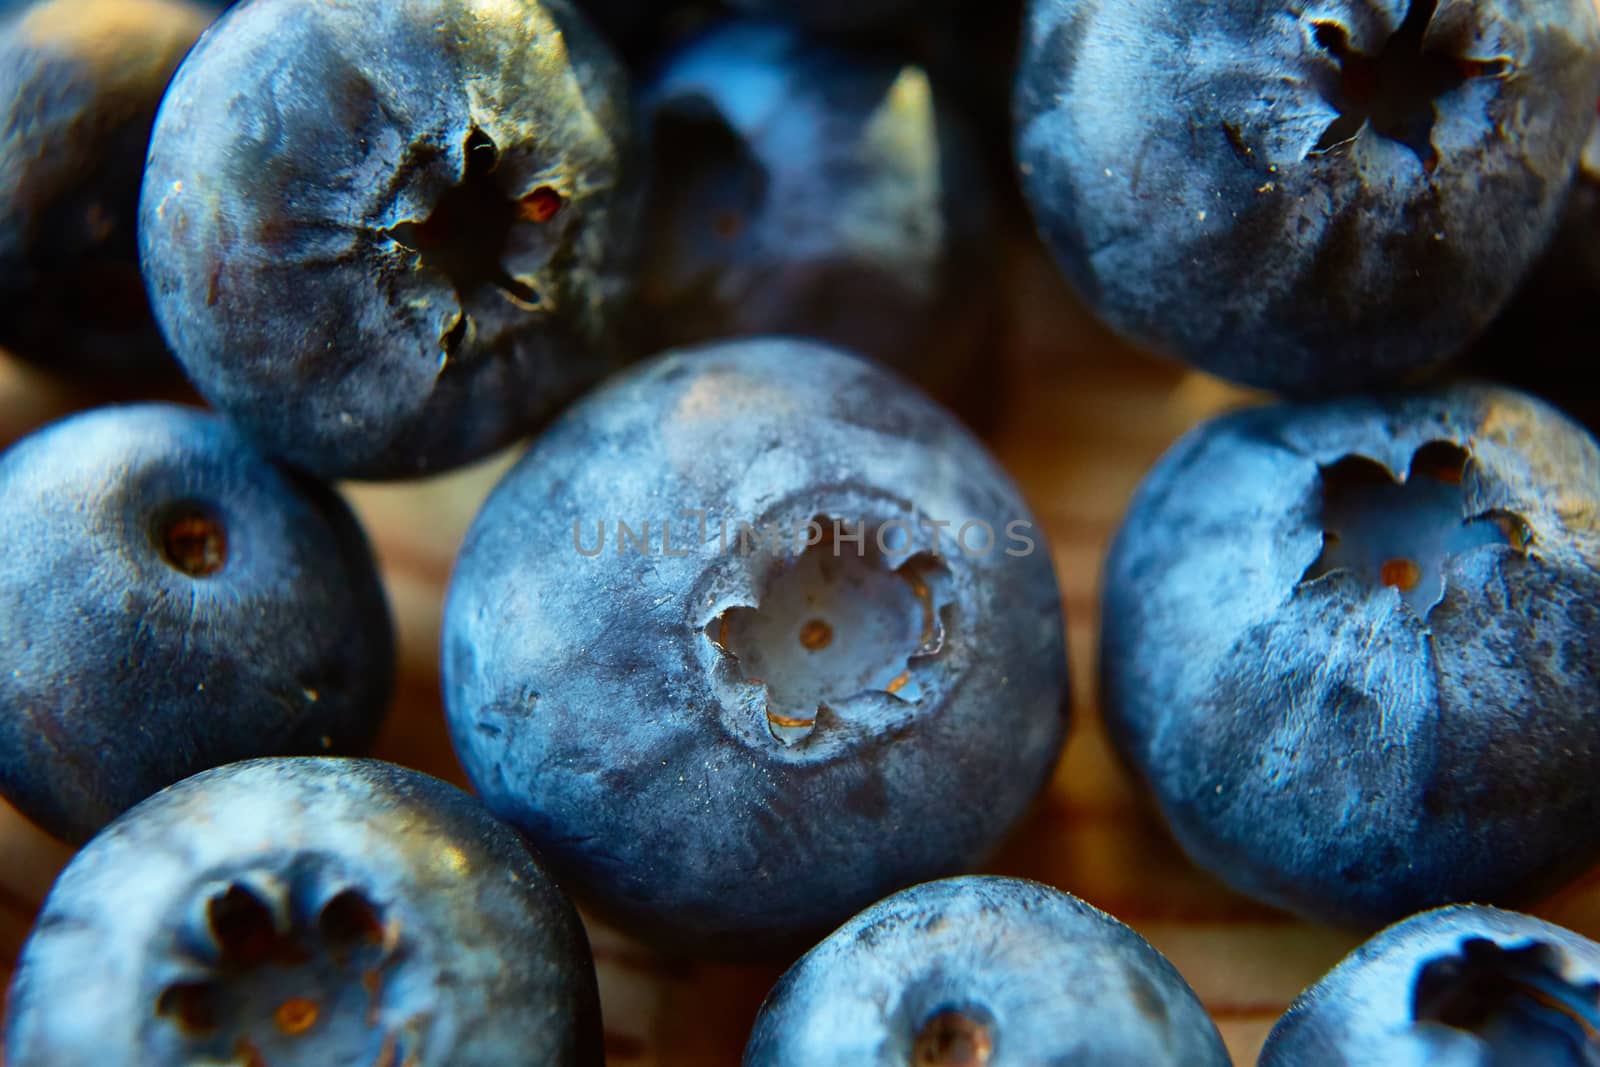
(984, 972)
(1457, 987)
(170, 601)
(831, 14)
(814, 189)
(1545, 339)
(641, 30)
(1350, 647)
(1303, 196)
(305, 913)
(80, 81)
(384, 237)
(731, 737)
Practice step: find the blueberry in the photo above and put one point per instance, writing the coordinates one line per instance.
(308, 912)
(170, 601)
(1349, 646)
(705, 646)
(1468, 986)
(814, 189)
(384, 237)
(984, 972)
(1303, 196)
(79, 84)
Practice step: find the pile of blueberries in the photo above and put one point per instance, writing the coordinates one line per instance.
(756, 636)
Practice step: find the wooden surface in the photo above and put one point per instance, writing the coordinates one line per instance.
(1077, 420)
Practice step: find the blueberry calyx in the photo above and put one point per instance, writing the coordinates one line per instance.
(834, 623)
(263, 967)
(193, 539)
(468, 236)
(1395, 91)
(1402, 532)
(952, 1038)
(1515, 999)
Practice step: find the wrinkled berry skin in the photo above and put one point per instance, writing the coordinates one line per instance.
(317, 912)
(1309, 196)
(1468, 986)
(729, 742)
(1356, 742)
(80, 81)
(170, 601)
(410, 258)
(939, 972)
(816, 189)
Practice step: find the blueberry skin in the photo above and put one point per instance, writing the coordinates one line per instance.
(813, 188)
(1315, 736)
(1028, 973)
(1457, 987)
(386, 238)
(655, 722)
(171, 601)
(1212, 191)
(80, 81)
(384, 906)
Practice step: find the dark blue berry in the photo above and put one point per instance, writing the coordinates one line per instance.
(983, 972)
(1461, 985)
(384, 238)
(80, 81)
(1303, 196)
(171, 601)
(818, 189)
(1350, 647)
(731, 737)
(305, 913)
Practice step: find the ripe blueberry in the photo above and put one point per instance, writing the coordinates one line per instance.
(307, 912)
(1306, 195)
(814, 189)
(80, 81)
(731, 736)
(983, 972)
(1349, 646)
(170, 601)
(1461, 985)
(382, 237)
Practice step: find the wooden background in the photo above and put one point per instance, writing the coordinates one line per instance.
(1077, 419)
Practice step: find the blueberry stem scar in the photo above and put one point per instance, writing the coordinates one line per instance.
(1500, 993)
(297, 1015)
(193, 539)
(816, 635)
(828, 626)
(1402, 535)
(278, 978)
(467, 236)
(952, 1039)
(1395, 91)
